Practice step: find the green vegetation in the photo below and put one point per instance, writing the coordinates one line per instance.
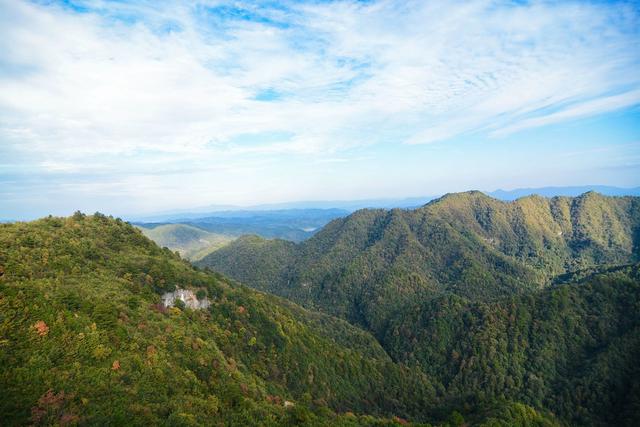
(471, 312)
(493, 300)
(84, 340)
(572, 348)
(80, 317)
(365, 266)
(190, 242)
(251, 251)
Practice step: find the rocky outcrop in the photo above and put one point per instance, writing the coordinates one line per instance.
(187, 297)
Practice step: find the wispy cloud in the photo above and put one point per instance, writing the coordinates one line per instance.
(89, 81)
(576, 110)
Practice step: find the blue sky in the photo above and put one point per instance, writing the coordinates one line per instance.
(143, 106)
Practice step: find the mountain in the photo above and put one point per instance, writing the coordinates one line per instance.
(502, 325)
(468, 244)
(85, 340)
(191, 242)
(477, 293)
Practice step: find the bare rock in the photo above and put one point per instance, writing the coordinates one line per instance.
(188, 297)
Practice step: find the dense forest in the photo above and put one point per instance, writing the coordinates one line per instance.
(85, 340)
(467, 311)
(364, 266)
(534, 300)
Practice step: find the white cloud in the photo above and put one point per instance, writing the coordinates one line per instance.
(583, 109)
(78, 89)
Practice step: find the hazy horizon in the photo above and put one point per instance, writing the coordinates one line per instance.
(131, 108)
(348, 205)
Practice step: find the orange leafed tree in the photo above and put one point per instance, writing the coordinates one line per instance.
(41, 328)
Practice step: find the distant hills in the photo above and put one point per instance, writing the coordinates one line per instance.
(564, 191)
(227, 211)
(290, 224)
(194, 238)
(191, 242)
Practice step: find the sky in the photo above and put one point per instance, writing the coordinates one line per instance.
(133, 107)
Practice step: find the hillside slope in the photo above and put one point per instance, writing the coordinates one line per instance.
(467, 244)
(494, 300)
(83, 339)
(571, 348)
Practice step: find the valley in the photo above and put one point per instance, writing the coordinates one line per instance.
(196, 236)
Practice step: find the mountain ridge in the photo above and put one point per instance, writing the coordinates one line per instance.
(508, 233)
(472, 290)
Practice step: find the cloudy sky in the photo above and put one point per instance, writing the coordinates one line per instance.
(133, 107)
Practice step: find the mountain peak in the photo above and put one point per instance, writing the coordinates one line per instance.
(460, 197)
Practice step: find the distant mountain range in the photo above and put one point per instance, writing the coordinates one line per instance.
(564, 191)
(194, 238)
(228, 211)
(190, 242)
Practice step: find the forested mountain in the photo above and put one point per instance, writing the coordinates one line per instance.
(85, 340)
(191, 242)
(537, 322)
(81, 317)
(467, 244)
(571, 348)
(474, 292)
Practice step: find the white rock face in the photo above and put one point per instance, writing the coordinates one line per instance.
(187, 297)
